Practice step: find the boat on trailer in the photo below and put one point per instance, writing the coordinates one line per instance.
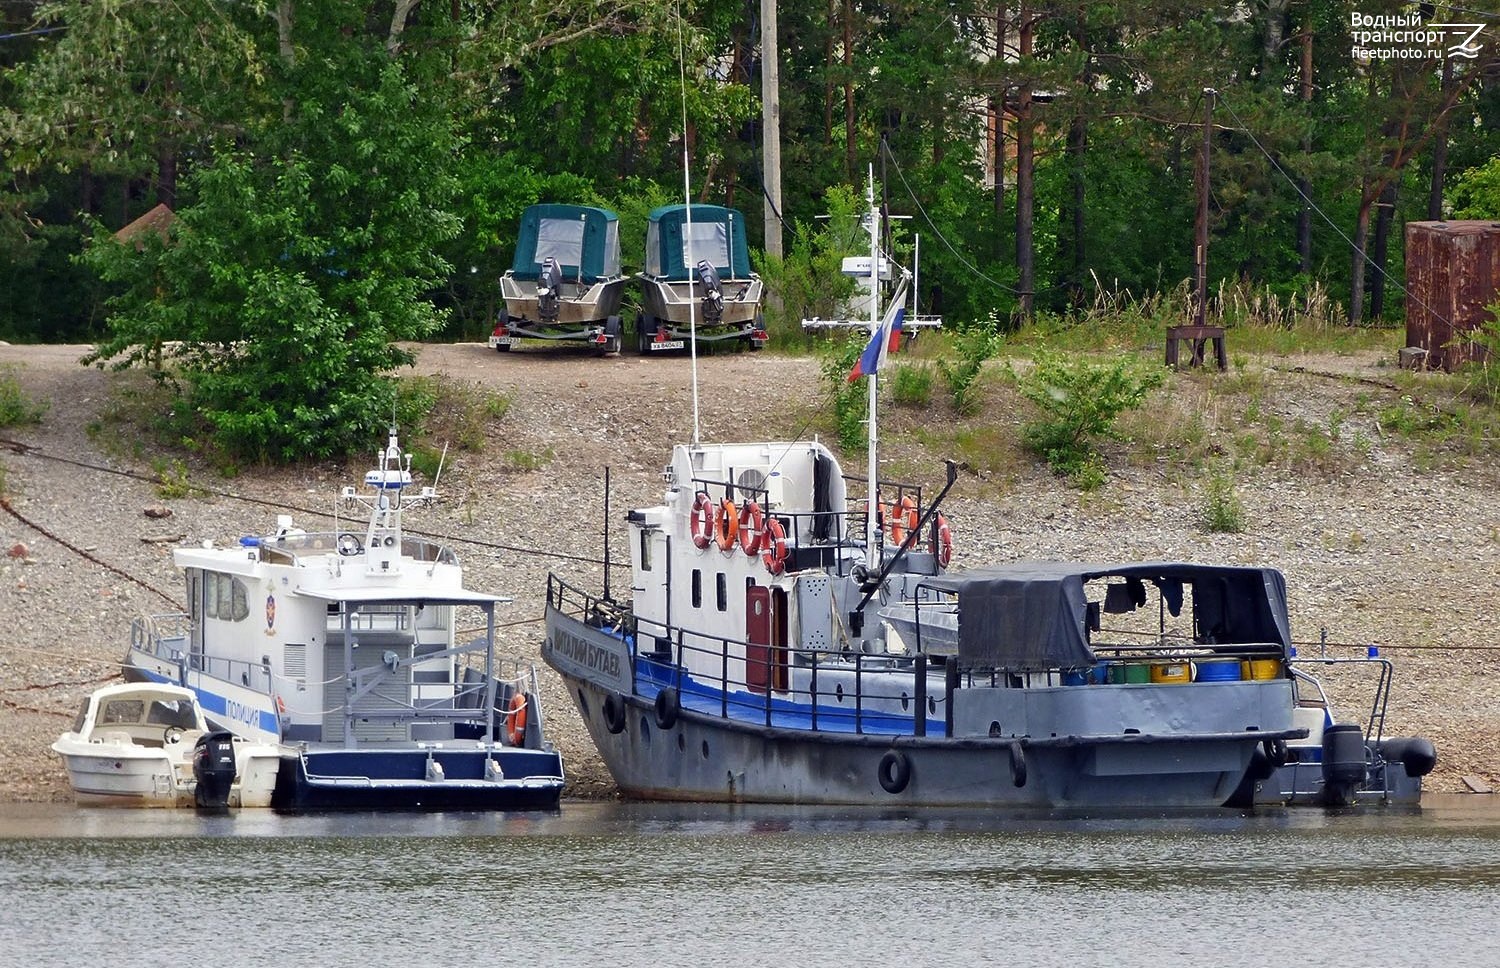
(697, 282)
(794, 635)
(565, 282)
(343, 646)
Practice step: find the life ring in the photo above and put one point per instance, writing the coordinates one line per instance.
(727, 526)
(752, 528)
(942, 541)
(894, 771)
(614, 713)
(774, 543)
(668, 705)
(903, 519)
(515, 719)
(701, 524)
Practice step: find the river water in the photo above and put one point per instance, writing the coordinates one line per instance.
(636, 884)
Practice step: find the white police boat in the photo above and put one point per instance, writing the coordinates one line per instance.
(343, 647)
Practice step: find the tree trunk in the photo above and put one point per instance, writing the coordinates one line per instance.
(1440, 153)
(833, 7)
(1379, 248)
(1025, 188)
(1304, 184)
(1077, 149)
(1357, 277)
(166, 176)
(997, 114)
(849, 147)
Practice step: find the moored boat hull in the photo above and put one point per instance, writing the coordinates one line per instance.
(519, 779)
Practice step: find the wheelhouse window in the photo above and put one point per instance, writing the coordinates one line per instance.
(721, 591)
(645, 550)
(697, 588)
(225, 597)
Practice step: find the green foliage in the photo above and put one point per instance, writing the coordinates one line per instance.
(16, 407)
(972, 345)
(911, 384)
(1079, 402)
(808, 281)
(172, 479)
(848, 400)
(1482, 372)
(1476, 194)
(294, 272)
(1222, 512)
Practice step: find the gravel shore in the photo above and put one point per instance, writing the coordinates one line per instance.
(1395, 553)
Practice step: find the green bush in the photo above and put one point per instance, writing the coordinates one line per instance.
(911, 384)
(1079, 402)
(849, 400)
(973, 344)
(15, 406)
(1222, 512)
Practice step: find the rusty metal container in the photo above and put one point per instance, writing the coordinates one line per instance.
(1452, 276)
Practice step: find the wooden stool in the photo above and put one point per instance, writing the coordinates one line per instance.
(1199, 335)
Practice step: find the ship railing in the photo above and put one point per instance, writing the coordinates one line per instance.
(164, 635)
(1380, 699)
(289, 548)
(842, 689)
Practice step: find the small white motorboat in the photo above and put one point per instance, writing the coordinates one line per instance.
(148, 745)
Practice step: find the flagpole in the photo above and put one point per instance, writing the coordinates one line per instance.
(872, 537)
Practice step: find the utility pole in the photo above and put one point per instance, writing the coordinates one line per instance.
(770, 100)
(1201, 256)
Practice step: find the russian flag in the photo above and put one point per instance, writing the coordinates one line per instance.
(883, 341)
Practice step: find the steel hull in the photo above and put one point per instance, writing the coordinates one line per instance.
(711, 758)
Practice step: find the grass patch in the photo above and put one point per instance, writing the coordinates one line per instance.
(16, 408)
(1222, 511)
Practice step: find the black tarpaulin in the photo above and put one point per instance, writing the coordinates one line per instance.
(1031, 615)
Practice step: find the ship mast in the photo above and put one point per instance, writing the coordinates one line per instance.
(872, 518)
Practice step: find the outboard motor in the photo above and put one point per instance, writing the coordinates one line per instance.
(549, 290)
(1344, 767)
(213, 768)
(713, 293)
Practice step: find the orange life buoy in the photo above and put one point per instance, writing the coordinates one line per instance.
(752, 528)
(727, 526)
(774, 542)
(701, 524)
(515, 719)
(903, 519)
(942, 542)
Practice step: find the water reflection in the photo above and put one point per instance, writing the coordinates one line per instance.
(642, 884)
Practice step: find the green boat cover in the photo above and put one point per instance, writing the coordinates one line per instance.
(584, 240)
(718, 237)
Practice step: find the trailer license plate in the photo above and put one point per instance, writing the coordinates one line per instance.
(505, 341)
(668, 344)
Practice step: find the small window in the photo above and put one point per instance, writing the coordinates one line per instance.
(721, 591)
(697, 588)
(645, 550)
(210, 597)
(239, 602)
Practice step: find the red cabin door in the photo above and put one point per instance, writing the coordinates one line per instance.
(765, 637)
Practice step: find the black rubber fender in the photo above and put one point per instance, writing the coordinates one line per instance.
(668, 707)
(893, 771)
(1415, 753)
(613, 710)
(1017, 765)
(1276, 753)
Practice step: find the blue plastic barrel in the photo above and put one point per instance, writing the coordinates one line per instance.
(1218, 670)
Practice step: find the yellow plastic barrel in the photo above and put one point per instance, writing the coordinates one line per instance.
(1166, 672)
(1260, 668)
